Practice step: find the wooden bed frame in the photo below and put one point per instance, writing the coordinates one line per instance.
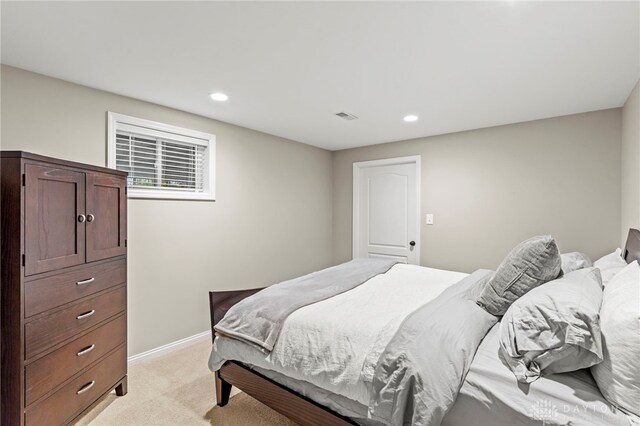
(299, 408)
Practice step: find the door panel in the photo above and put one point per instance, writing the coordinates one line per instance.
(387, 226)
(106, 216)
(386, 214)
(54, 237)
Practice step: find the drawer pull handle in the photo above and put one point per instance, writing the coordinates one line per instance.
(86, 314)
(83, 282)
(86, 387)
(86, 350)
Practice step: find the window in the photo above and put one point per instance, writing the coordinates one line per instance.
(162, 161)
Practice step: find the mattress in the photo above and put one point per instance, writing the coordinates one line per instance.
(337, 403)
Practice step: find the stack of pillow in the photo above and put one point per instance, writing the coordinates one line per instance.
(585, 315)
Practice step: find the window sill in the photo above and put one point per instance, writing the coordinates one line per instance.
(167, 195)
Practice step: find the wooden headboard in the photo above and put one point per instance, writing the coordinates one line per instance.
(632, 248)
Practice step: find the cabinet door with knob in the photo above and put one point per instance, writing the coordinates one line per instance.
(54, 216)
(106, 216)
(72, 217)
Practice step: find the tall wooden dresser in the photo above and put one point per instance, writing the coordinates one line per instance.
(63, 293)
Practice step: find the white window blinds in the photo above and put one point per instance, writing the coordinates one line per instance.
(155, 163)
(162, 163)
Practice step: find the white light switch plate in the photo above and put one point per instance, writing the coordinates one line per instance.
(429, 219)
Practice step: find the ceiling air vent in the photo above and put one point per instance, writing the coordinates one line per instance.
(346, 116)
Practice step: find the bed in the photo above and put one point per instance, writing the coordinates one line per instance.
(335, 387)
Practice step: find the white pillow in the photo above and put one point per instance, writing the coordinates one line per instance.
(618, 376)
(574, 261)
(610, 265)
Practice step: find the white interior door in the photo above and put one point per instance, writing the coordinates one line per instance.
(386, 200)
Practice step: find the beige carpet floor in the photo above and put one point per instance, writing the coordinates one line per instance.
(178, 389)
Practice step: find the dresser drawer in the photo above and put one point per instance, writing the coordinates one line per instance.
(50, 371)
(47, 293)
(49, 330)
(75, 396)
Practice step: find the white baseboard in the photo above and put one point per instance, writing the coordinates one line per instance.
(169, 347)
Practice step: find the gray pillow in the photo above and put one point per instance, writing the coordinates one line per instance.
(530, 263)
(554, 328)
(574, 261)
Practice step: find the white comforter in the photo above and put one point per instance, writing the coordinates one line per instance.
(316, 346)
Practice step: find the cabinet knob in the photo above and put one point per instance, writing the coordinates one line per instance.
(86, 387)
(86, 314)
(88, 281)
(86, 350)
(81, 218)
(412, 243)
(90, 217)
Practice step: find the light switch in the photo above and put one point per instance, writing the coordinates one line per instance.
(429, 219)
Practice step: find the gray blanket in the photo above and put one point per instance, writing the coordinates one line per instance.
(258, 319)
(419, 374)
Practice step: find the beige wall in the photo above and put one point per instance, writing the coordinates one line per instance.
(491, 188)
(631, 162)
(284, 208)
(271, 220)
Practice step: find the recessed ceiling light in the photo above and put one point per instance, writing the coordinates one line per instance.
(410, 118)
(218, 96)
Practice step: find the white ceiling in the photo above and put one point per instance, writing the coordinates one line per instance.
(288, 67)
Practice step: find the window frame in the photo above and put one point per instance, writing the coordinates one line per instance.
(205, 139)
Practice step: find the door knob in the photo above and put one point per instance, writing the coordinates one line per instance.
(412, 243)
